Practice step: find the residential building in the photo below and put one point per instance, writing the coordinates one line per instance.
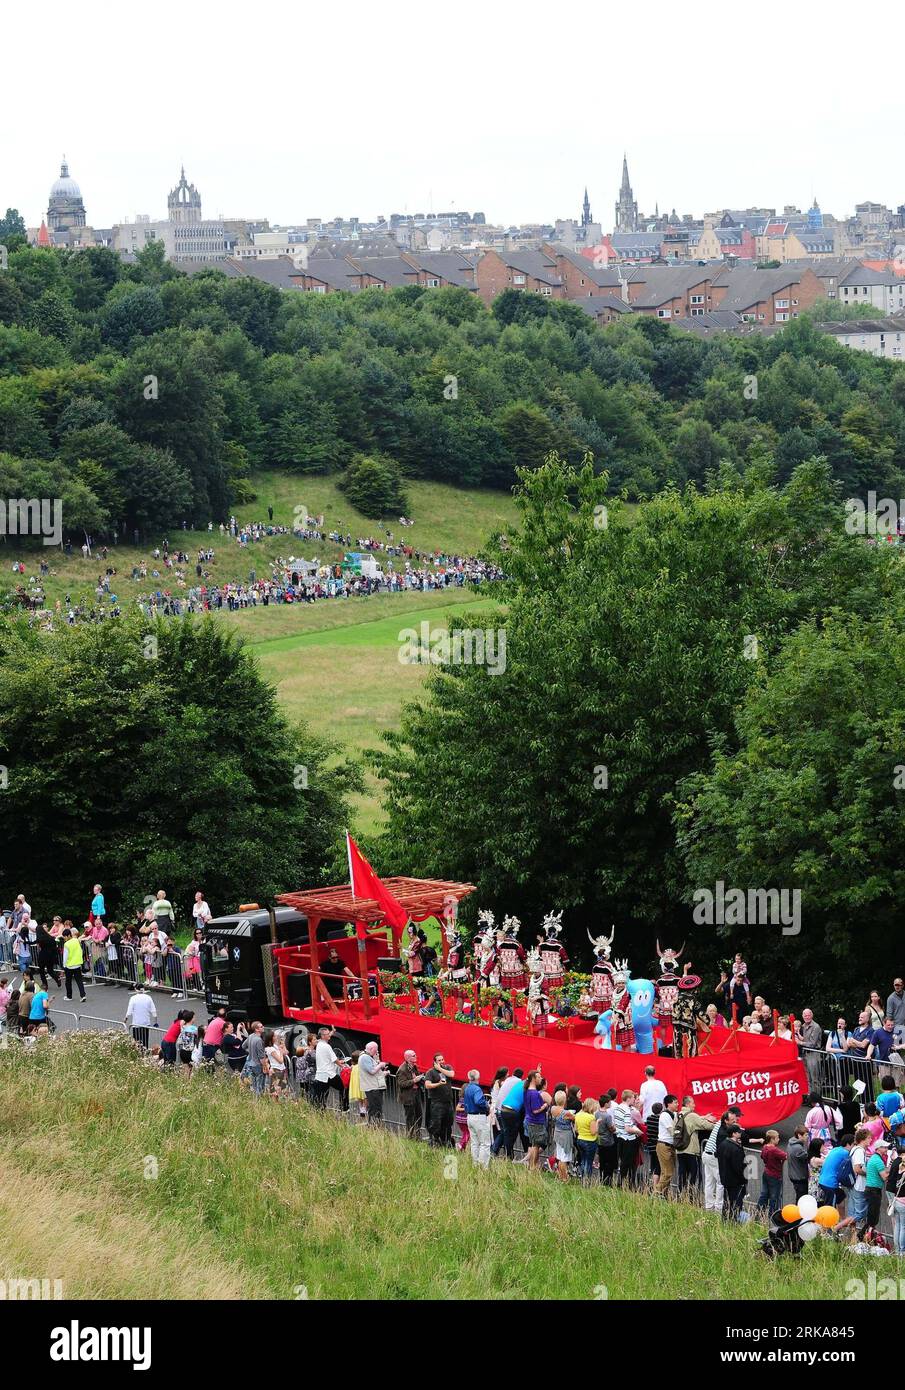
(882, 289)
(766, 296)
(880, 337)
(533, 271)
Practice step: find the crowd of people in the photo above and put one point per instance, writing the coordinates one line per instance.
(142, 952)
(175, 591)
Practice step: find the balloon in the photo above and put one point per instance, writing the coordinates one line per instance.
(808, 1230)
(791, 1212)
(807, 1207)
(827, 1217)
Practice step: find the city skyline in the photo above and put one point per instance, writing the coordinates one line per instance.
(475, 115)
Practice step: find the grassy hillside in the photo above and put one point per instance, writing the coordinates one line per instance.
(451, 519)
(259, 1200)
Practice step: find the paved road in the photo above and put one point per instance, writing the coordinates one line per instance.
(109, 1003)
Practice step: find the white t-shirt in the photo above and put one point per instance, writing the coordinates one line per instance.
(276, 1059)
(325, 1060)
(649, 1093)
(666, 1127)
(201, 912)
(859, 1157)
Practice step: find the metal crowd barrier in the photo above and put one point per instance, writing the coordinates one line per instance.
(829, 1072)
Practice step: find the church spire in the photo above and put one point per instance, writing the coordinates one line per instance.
(586, 210)
(626, 208)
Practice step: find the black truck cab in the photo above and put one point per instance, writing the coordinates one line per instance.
(239, 970)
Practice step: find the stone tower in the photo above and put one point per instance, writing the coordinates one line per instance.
(626, 208)
(184, 203)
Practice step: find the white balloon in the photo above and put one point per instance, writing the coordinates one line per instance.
(807, 1207)
(808, 1230)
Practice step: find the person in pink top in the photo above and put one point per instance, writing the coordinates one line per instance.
(213, 1037)
(873, 1123)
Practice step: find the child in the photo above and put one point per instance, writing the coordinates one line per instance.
(462, 1125)
(815, 1163)
(356, 1094)
(740, 968)
(12, 1012)
(4, 1002)
(774, 1157)
(873, 1123)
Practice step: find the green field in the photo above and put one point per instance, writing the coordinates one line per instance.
(203, 1192)
(335, 663)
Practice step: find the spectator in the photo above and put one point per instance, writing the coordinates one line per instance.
(822, 1121)
(713, 1187)
(408, 1083)
(831, 1192)
(496, 1124)
(170, 1037)
(606, 1139)
(233, 1048)
(857, 1197)
(629, 1134)
(798, 1162)
(47, 957)
(773, 1157)
(201, 913)
(687, 1139)
(37, 1014)
(876, 1009)
(257, 1066)
(98, 909)
(586, 1130)
(326, 1073)
(72, 964)
(477, 1111)
(278, 1058)
(537, 1108)
(860, 1038)
(511, 1108)
(191, 961)
(810, 1040)
(651, 1090)
(4, 1001)
(651, 1138)
(213, 1035)
(372, 1078)
(666, 1151)
(876, 1173)
(563, 1117)
(442, 1106)
(895, 1004)
(141, 1016)
(890, 1099)
(731, 1159)
(162, 910)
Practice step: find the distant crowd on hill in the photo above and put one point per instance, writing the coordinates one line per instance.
(292, 580)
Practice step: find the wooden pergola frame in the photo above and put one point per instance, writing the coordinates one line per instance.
(420, 897)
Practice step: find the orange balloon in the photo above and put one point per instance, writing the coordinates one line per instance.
(790, 1212)
(827, 1217)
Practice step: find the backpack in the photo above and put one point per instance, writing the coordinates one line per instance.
(681, 1136)
(846, 1172)
(187, 1040)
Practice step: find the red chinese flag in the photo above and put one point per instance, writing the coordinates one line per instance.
(366, 884)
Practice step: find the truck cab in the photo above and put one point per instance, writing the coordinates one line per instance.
(239, 969)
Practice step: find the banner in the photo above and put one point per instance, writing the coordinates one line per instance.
(764, 1078)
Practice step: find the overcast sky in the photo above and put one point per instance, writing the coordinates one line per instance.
(362, 109)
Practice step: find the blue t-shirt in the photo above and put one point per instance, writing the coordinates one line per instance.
(39, 1007)
(515, 1097)
(97, 905)
(474, 1100)
(882, 1042)
(888, 1102)
(832, 1166)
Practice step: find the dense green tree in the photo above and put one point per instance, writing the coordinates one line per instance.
(190, 781)
(373, 484)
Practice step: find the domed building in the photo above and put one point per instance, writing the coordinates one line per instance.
(66, 210)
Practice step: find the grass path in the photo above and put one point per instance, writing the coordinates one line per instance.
(200, 1191)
